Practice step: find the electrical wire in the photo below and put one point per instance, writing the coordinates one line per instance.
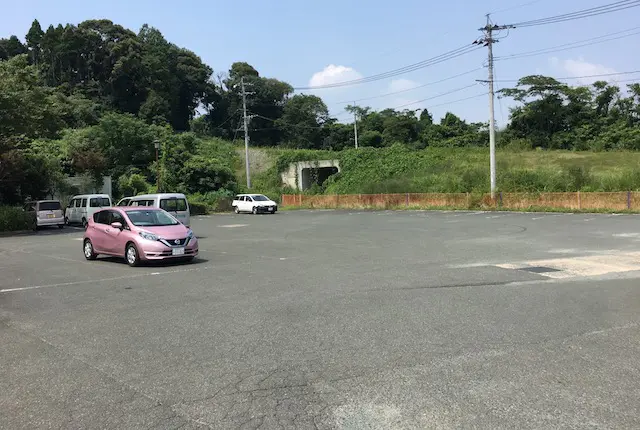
(463, 50)
(288, 124)
(578, 77)
(457, 101)
(429, 107)
(584, 13)
(410, 89)
(436, 96)
(569, 46)
(510, 8)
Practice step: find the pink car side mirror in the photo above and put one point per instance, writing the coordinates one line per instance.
(117, 225)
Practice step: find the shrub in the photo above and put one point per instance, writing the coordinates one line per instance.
(214, 201)
(198, 208)
(15, 219)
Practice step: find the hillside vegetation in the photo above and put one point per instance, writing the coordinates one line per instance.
(398, 169)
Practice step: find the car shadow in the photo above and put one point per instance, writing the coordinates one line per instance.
(159, 263)
(51, 231)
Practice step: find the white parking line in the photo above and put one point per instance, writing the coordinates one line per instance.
(90, 281)
(233, 225)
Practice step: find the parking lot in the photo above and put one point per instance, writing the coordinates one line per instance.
(331, 319)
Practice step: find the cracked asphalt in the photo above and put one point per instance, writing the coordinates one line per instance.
(326, 320)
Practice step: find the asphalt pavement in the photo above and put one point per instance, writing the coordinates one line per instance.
(331, 320)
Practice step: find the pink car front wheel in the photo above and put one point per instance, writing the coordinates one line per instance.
(131, 255)
(89, 252)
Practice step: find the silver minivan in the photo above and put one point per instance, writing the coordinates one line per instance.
(46, 213)
(174, 203)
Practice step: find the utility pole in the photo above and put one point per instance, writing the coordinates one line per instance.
(246, 130)
(156, 144)
(488, 41)
(355, 125)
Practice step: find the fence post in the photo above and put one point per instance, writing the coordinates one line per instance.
(579, 201)
(629, 200)
(500, 199)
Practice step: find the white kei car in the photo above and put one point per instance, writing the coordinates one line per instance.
(254, 203)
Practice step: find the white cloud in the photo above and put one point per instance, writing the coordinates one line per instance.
(402, 84)
(580, 67)
(333, 74)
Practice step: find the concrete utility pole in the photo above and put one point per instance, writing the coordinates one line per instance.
(156, 144)
(355, 125)
(488, 41)
(246, 129)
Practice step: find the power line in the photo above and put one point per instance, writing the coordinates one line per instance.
(318, 127)
(584, 13)
(457, 101)
(569, 46)
(463, 50)
(579, 77)
(435, 97)
(510, 8)
(411, 89)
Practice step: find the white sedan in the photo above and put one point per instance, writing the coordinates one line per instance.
(254, 203)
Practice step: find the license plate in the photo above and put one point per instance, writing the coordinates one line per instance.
(50, 216)
(177, 251)
(270, 209)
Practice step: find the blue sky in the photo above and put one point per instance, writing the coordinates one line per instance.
(322, 42)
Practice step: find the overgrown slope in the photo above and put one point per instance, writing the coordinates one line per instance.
(399, 169)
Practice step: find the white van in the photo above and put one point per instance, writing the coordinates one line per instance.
(82, 207)
(174, 203)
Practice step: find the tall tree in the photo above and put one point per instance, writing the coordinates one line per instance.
(303, 121)
(11, 47)
(34, 41)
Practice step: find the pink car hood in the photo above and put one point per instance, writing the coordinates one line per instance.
(168, 232)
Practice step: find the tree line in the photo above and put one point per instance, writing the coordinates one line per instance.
(93, 98)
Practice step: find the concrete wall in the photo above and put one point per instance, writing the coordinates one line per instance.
(297, 176)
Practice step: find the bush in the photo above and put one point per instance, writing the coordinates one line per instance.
(15, 219)
(215, 201)
(198, 208)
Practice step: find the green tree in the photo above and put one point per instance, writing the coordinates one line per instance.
(11, 47)
(303, 120)
(34, 41)
(399, 127)
(371, 138)
(203, 175)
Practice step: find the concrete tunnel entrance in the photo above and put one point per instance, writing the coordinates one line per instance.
(318, 176)
(302, 175)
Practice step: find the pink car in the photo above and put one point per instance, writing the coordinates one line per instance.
(138, 234)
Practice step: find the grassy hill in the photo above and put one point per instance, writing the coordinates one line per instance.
(398, 169)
